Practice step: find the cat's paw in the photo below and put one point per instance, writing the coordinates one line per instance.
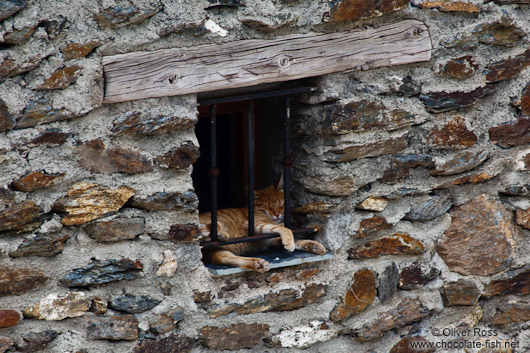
(311, 246)
(260, 265)
(222, 236)
(289, 245)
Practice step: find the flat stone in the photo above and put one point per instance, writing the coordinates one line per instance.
(95, 157)
(10, 7)
(133, 304)
(517, 190)
(283, 300)
(202, 298)
(36, 341)
(417, 275)
(36, 180)
(388, 283)
(116, 230)
(319, 207)
(5, 344)
(43, 245)
(373, 203)
(194, 28)
(51, 137)
(397, 244)
(165, 323)
(59, 307)
(99, 306)
(129, 161)
(461, 292)
(6, 120)
(120, 16)
(405, 313)
(451, 6)
(501, 33)
(453, 134)
(181, 157)
(402, 192)
(430, 209)
(438, 102)
(524, 102)
(359, 296)
(114, 328)
(339, 186)
(305, 336)
(9, 318)
(508, 68)
(276, 277)
(511, 133)
(514, 282)
(372, 225)
(62, 78)
(184, 233)
(372, 149)
(9, 68)
(14, 280)
(85, 202)
(39, 112)
(304, 275)
(79, 50)
(167, 201)
(480, 238)
(522, 218)
(18, 37)
(7, 198)
(467, 179)
(411, 344)
(233, 337)
(135, 123)
(354, 10)
(55, 27)
(461, 162)
(20, 217)
(172, 344)
(510, 312)
(100, 272)
(401, 166)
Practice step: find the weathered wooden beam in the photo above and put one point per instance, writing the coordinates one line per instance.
(210, 67)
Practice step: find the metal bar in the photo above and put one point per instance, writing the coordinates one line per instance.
(257, 95)
(250, 168)
(214, 172)
(256, 237)
(287, 163)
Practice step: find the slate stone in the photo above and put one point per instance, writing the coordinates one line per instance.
(54, 27)
(373, 203)
(416, 275)
(454, 134)
(511, 133)
(43, 245)
(501, 33)
(79, 50)
(304, 275)
(41, 111)
(36, 341)
(7, 198)
(371, 149)
(167, 322)
(56, 307)
(412, 344)
(480, 238)
(509, 2)
(509, 312)
(18, 37)
(184, 233)
(62, 78)
(51, 137)
(524, 101)
(461, 162)
(20, 217)
(451, 6)
(371, 226)
(136, 123)
(181, 157)
(438, 102)
(359, 296)
(401, 165)
(388, 283)
(36, 180)
(10, 7)
(167, 201)
(517, 190)
(319, 207)
(133, 304)
(461, 292)
(430, 209)
(459, 68)
(354, 10)
(522, 218)
(223, 3)
(467, 179)
(9, 318)
(120, 16)
(6, 120)
(507, 68)
(129, 161)
(405, 313)
(172, 344)
(513, 282)
(6, 344)
(14, 280)
(404, 192)
(339, 186)
(99, 306)
(101, 272)
(233, 337)
(195, 28)
(116, 230)
(85, 202)
(114, 328)
(397, 244)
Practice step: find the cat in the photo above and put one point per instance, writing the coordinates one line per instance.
(268, 218)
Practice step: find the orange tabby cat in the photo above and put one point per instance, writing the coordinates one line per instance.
(268, 218)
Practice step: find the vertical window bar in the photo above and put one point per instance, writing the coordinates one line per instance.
(250, 168)
(287, 163)
(214, 171)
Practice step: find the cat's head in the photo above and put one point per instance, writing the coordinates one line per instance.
(270, 201)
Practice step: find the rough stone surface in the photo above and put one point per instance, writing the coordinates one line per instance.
(406, 312)
(508, 68)
(459, 68)
(129, 161)
(401, 166)
(522, 218)
(86, 202)
(524, 101)
(51, 137)
(167, 201)
(359, 296)
(20, 217)
(233, 337)
(116, 230)
(480, 238)
(417, 275)
(454, 134)
(36, 180)
(462, 162)
(373, 203)
(10, 7)
(133, 304)
(41, 112)
(36, 341)
(388, 283)
(510, 312)
(62, 78)
(462, 292)
(501, 33)
(371, 226)
(373, 149)
(9, 318)
(467, 179)
(516, 282)
(136, 123)
(438, 102)
(184, 233)
(451, 6)
(79, 50)
(181, 157)
(113, 328)
(59, 307)
(348, 10)
(6, 120)
(305, 336)
(173, 343)
(304, 275)
(410, 344)
(43, 245)
(15, 281)
(430, 209)
(120, 16)
(340, 186)
(397, 244)
(100, 272)
(512, 133)
(5, 344)
(99, 306)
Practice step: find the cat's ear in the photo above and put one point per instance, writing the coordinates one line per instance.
(279, 184)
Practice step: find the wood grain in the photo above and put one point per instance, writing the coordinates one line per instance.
(203, 68)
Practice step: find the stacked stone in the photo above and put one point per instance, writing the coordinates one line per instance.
(417, 176)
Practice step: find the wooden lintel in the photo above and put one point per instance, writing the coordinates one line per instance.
(210, 67)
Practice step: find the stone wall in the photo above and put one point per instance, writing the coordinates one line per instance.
(417, 175)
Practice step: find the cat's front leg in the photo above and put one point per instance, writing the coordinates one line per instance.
(286, 235)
